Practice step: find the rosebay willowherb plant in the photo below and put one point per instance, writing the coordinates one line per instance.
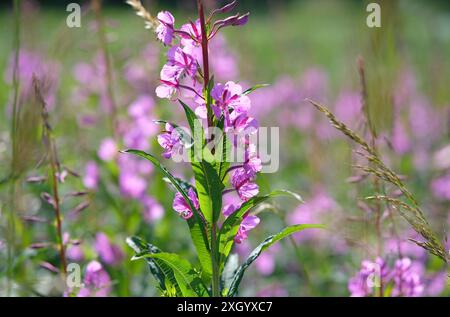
(219, 124)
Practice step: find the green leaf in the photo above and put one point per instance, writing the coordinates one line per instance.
(263, 246)
(207, 181)
(184, 184)
(229, 271)
(187, 278)
(196, 224)
(252, 89)
(231, 225)
(141, 247)
(223, 152)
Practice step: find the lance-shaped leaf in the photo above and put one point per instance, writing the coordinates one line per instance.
(263, 246)
(207, 181)
(141, 247)
(252, 89)
(231, 225)
(223, 152)
(196, 224)
(229, 271)
(187, 278)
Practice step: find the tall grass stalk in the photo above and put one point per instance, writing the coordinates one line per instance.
(103, 42)
(411, 210)
(377, 187)
(55, 170)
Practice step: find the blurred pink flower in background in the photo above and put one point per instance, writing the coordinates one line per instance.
(97, 282)
(32, 64)
(440, 187)
(109, 253)
(107, 150)
(91, 175)
(153, 211)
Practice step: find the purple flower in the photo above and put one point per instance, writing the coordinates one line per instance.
(152, 209)
(97, 282)
(189, 32)
(141, 107)
(252, 163)
(183, 62)
(348, 107)
(400, 140)
(170, 85)
(169, 140)
(229, 96)
(109, 253)
(247, 224)
(75, 253)
(32, 64)
(108, 150)
(92, 175)
(407, 281)
(241, 127)
(243, 184)
(371, 275)
(165, 30)
(131, 184)
(228, 209)
(223, 62)
(265, 264)
(181, 206)
(436, 284)
(441, 187)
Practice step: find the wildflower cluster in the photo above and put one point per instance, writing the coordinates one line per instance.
(401, 280)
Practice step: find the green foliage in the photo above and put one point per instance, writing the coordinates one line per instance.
(260, 248)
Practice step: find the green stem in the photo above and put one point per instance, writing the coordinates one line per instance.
(215, 263)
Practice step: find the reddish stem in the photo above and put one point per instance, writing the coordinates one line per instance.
(201, 15)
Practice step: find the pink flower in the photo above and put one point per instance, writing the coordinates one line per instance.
(92, 175)
(183, 62)
(407, 281)
(229, 96)
(441, 187)
(152, 209)
(141, 106)
(364, 282)
(247, 224)
(265, 264)
(252, 163)
(241, 126)
(243, 184)
(181, 206)
(169, 140)
(108, 150)
(165, 30)
(109, 253)
(170, 85)
(228, 209)
(132, 185)
(189, 31)
(75, 253)
(97, 282)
